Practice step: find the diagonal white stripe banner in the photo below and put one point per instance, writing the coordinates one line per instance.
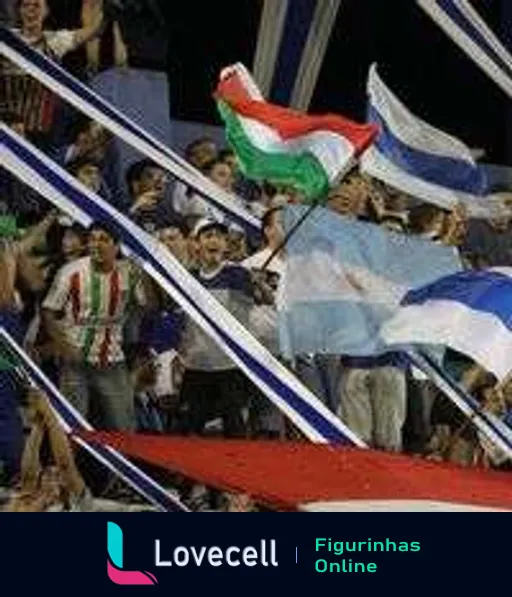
(88, 102)
(302, 407)
(460, 21)
(71, 420)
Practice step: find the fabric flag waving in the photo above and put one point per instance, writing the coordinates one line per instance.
(344, 278)
(470, 311)
(282, 145)
(320, 478)
(413, 156)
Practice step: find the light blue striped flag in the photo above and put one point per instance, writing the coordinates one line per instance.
(344, 278)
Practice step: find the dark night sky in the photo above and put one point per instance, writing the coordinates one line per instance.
(417, 60)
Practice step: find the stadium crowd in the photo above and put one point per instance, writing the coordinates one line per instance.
(128, 358)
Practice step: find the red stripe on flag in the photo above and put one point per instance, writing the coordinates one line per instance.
(75, 295)
(290, 123)
(289, 474)
(113, 303)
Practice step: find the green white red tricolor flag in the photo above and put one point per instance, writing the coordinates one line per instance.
(309, 152)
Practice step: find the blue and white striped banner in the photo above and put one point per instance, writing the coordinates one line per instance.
(469, 311)
(314, 419)
(467, 29)
(87, 101)
(421, 160)
(72, 421)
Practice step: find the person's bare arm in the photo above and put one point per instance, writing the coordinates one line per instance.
(60, 447)
(55, 329)
(7, 278)
(30, 463)
(263, 293)
(91, 30)
(36, 235)
(144, 202)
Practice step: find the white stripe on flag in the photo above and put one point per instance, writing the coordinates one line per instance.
(333, 151)
(409, 128)
(480, 335)
(395, 506)
(421, 160)
(379, 166)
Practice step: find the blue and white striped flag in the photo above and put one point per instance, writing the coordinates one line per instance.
(468, 30)
(469, 311)
(344, 278)
(413, 156)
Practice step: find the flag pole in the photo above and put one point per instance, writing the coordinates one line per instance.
(289, 234)
(347, 169)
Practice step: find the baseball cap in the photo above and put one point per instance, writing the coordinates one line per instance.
(236, 228)
(207, 223)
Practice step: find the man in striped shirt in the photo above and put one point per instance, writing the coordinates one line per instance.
(84, 312)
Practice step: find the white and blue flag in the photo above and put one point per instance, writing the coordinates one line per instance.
(344, 278)
(470, 312)
(419, 159)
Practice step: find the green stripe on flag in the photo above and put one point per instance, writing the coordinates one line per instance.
(302, 171)
(90, 333)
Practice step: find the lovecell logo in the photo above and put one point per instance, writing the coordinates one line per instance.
(116, 573)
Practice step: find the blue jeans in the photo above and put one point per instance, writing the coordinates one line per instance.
(108, 391)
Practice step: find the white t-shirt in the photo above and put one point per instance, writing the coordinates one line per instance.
(58, 42)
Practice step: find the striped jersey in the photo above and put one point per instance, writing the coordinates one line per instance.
(24, 95)
(94, 307)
